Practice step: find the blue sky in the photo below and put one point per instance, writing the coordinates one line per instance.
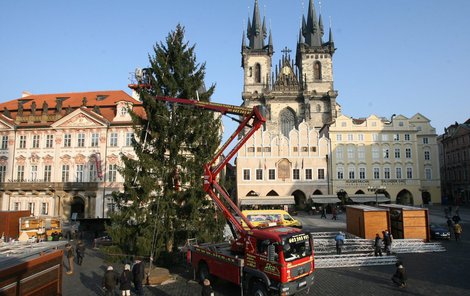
(402, 56)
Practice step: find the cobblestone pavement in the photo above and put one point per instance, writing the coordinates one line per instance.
(443, 273)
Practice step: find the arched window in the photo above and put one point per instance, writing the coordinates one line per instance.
(317, 70)
(257, 73)
(287, 121)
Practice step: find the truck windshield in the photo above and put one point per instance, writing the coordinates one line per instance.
(297, 246)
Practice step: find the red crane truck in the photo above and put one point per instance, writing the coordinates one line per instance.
(263, 261)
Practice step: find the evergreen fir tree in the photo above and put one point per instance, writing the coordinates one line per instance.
(164, 203)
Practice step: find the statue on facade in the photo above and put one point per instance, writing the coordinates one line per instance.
(45, 108)
(33, 108)
(58, 105)
(6, 112)
(84, 101)
(20, 109)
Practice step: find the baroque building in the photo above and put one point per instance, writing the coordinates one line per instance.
(288, 157)
(454, 152)
(60, 153)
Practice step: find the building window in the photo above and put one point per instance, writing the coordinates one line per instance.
(428, 174)
(49, 141)
(340, 173)
(67, 140)
(339, 137)
(36, 141)
(296, 174)
(287, 118)
(113, 139)
(339, 152)
(95, 139)
(386, 153)
(350, 137)
(44, 208)
(427, 155)
(16, 206)
(396, 137)
(22, 142)
(272, 174)
(375, 152)
(4, 142)
(47, 173)
(407, 137)
(257, 73)
(65, 173)
(81, 140)
(401, 123)
(20, 173)
(34, 172)
(259, 174)
(79, 173)
(425, 140)
(397, 153)
(384, 137)
(362, 173)
(308, 174)
(408, 152)
(321, 174)
(129, 137)
(317, 71)
(361, 152)
(93, 173)
(3, 173)
(386, 173)
(351, 173)
(111, 207)
(31, 207)
(376, 173)
(398, 173)
(360, 137)
(246, 174)
(375, 137)
(351, 152)
(112, 173)
(409, 173)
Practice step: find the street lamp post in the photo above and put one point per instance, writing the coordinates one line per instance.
(376, 190)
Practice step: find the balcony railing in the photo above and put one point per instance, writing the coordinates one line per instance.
(48, 186)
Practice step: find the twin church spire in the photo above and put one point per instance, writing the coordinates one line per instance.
(256, 32)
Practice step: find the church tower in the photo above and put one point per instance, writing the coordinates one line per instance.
(256, 57)
(314, 60)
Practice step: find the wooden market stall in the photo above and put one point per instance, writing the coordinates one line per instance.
(408, 221)
(366, 221)
(9, 221)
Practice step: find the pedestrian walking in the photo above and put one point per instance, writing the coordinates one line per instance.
(339, 238)
(207, 289)
(125, 281)
(70, 257)
(456, 219)
(333, 212)
(80, 251)
(450, 226)
(399, 277)
(387, 240)
(323, 213)
(377, 245)
(110, 281)
(138, 273)
(457, 231)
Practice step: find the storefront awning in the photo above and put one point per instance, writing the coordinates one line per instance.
(325, 199)
(363, 198)
(267, 200)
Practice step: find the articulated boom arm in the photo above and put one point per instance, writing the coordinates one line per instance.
(251, 121)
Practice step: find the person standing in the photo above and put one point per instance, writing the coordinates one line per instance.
(110, 281)
(450, 225)
(333, 212)
(399, 277)
(80, 250)
(457, 231)
(377, 245)
(339, 238)
(323, 213)
(387, 239)
(125, 281)
(138, 273)
(70, 257)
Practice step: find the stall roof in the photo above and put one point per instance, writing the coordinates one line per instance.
(267, 200)
(325, 199)
(403, 207)
(363, 198)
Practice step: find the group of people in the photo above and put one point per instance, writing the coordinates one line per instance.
(384, 243)
(79, 252)
(125, 280)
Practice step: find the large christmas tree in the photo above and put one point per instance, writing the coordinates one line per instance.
(164, 203)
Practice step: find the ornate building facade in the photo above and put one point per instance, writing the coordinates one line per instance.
(60, 153)
(454, 150)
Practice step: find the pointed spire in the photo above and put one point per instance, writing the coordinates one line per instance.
(270, 42)
(256, 30)
(311, 31)
(320, 24)
(264, 27)
(243, 40)
(330, 37)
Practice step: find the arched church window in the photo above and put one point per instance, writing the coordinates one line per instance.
(287, 118)
(257, 73)
(317, 70)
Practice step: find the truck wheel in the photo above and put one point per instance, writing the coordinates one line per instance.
(259, 289)
(203, 272)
